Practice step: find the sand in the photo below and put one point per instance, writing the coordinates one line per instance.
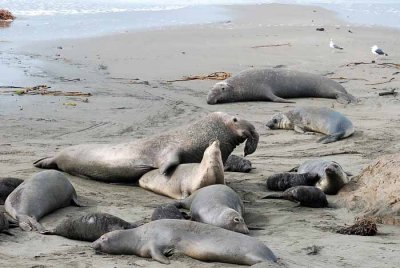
(123, 108)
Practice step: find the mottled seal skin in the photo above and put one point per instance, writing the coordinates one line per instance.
(286, 180)
(217, 205)
(7, 185)
(237, 164)
(333, 177)
(312, 119)
(168, 211)
(276, 85)
(307, 196)
(199, 241)
(38, 196)
(89, 227)
(187, 178)
(127, 162)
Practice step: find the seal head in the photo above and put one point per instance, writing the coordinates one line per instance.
(279, 121)
(221, 92)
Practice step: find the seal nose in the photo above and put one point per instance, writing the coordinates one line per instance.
(96, 245)
(211, 99)
(245, 230)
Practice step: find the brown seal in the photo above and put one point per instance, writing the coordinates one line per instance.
(307, 196)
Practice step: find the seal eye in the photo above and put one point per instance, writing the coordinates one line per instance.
(223, 88)
(236, 219)
(234, 119)
(275, 121)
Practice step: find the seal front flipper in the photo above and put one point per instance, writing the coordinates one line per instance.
(172, 159)
(46, 162)
(331, 137)
(27, 223)
(48, 232)
(157, 255)
(275, 98)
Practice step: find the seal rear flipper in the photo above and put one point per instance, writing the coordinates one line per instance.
(46, 162)
(27, 223)
(76, 202)
(279, 99)
(346, 98)
(157, 255)
(331, 137)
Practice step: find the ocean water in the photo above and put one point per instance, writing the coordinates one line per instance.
(52, 19)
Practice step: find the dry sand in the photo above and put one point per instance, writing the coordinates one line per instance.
(121, 110)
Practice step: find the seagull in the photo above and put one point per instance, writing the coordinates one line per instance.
(333, 45)
(377, 51)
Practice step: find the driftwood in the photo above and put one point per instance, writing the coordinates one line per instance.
(391, 92)
(385, 64)
(380, 83)
(6, 15)
(43, 90)
(273, 45)
(365, 227)
(347, 78)
(212, 76)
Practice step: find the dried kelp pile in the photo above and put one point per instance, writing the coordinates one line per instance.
(364, 227)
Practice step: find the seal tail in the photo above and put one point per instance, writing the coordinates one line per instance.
(331, 138)
(46, 162)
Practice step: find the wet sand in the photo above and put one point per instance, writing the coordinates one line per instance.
(123, 107)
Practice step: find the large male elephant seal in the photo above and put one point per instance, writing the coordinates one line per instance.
(89, 227)
(275, 85)
(129, 161)
(197, 240)
(286, 180)
(187, 178)
(332, 175)
(335, 125)
(307, 196)
(38, 196)
(218, 205)
(7, 185)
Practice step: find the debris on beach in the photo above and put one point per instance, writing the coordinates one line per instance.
(69, 104)
(43, 90)
(212, 76)
(321, 29)
(364, 227)
(6, 15)
(273, 45)
(390, 92)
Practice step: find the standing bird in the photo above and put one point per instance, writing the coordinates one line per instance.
(377, 51)
(334, 46)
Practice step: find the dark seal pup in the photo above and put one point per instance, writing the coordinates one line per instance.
(217, 205)
(168, 211)
(307, 196)
(237, 164)
(7, 185)
(89, 227)
(127, 162)
(38, 196)
(286, 180)
(333, 124)
(199, 241)
(275, 85)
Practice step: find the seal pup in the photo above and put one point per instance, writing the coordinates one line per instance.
(237, 164)
(6, 224)
(187, 178)
(127, 162)
(168, 211)
(89, 227)
(217, 205)
(276, 85)
(314, 119)
(307, 196)
(204, 242)
(38, 196)
(7, 185)
(286, 180)
(333, 177)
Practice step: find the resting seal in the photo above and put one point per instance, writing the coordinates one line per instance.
(187, 178)
(275, 85)
(217, 205)
(38, 196)
(5, 224)
(333, 177)
(323, 120)
(89, 227)
(237, 164)
(286, 180)
(307, 196)
(168, 211)
(200, 241)
(7, 185)
(129, 161)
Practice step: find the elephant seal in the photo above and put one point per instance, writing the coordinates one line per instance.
(200, 241)
(7, 185)
(323, 120)
(237, 164)
(333, 177)
(307, 196)
(168, 211)
(129, 161)
(89, 227)
(217, 205)
(38, 196)
(5, 224)
(286, 180)
(187, 178)
(275, 85)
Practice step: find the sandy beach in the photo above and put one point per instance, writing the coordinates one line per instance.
(126, 75)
